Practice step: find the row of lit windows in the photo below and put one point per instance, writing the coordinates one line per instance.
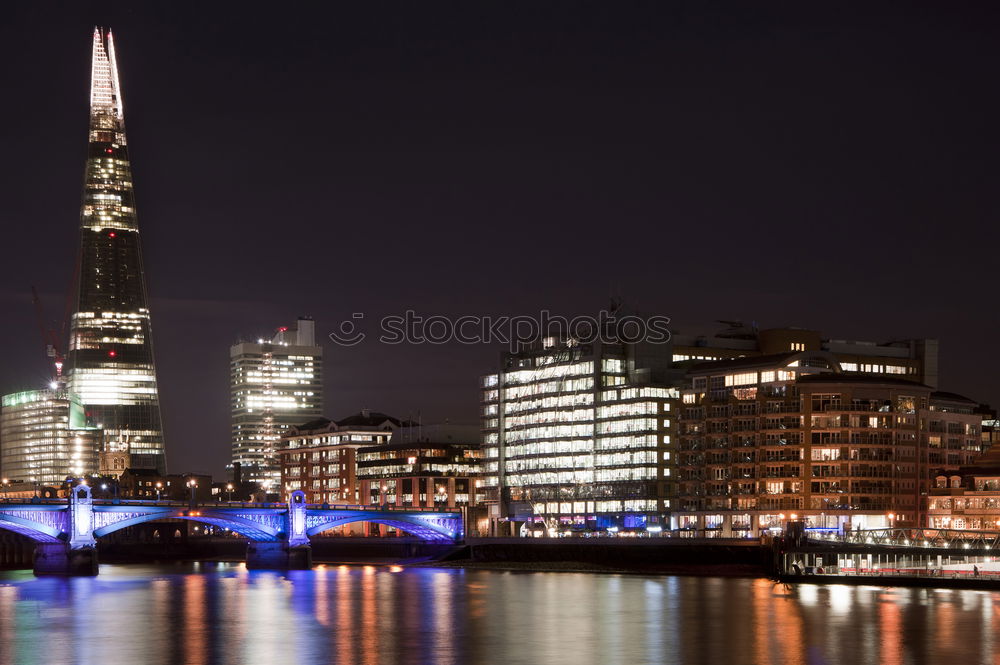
(552, 431)
(631, 409)
(554, 402)
(544, 417)
(582, 507)
(546, 373)
(564, 462)
(534, 389)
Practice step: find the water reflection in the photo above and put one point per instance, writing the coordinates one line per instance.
(219, 613)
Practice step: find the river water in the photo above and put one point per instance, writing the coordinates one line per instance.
(198, 614)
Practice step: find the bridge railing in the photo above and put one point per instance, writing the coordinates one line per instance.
(173, 503)
(36, 500)
(390, 507)
(913, 537)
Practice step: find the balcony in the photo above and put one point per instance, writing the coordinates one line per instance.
(872, 473)
(883, 457)
(827, 473)
(769, 474)
(772, 425)
(792, 456)
(869, 489)
(854, 407)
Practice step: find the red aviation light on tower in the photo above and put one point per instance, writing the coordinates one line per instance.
(112, 353)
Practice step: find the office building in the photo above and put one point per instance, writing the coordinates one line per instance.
(579, 436)
(275, 384)
(110, 355)
(44, 438)
(419, 474)
(585, 436)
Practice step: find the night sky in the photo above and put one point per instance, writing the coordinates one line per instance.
(809, 164)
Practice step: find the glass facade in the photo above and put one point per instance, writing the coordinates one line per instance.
(567, 432)
(43, 437)
(274, 385)
(110, 358)
(424, 474)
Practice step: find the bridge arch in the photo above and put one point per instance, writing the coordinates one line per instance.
(430, 528)
(256, 531)
(36, 531)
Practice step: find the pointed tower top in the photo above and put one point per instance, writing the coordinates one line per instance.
(105, 93)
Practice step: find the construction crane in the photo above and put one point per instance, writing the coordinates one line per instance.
(50, 337)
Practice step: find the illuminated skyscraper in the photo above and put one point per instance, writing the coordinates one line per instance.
(110, 359)
(274, 384)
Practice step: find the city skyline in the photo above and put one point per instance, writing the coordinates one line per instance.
(606, 135)
(565, 332)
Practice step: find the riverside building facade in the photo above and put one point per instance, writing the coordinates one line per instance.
(967, 498)
(275, 384)
(426, 473)
(319, 457)
(792, 436)
(110, 355)
(579, 436)
(44, 438)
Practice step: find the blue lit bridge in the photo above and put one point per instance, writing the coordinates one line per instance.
(66, 532)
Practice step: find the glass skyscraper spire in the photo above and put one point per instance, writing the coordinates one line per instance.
(110, 359)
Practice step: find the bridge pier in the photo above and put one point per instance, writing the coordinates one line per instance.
(278, 556)
(61, 559)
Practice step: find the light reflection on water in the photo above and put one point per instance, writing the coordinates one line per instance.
(202, 614)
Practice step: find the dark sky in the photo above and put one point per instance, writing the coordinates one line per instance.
(811, 164)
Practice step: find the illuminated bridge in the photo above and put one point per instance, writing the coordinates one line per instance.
(66, 532)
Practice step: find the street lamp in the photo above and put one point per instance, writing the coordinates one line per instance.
(891, 516)
(159, 486)
(229, 492)
(192, 485)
